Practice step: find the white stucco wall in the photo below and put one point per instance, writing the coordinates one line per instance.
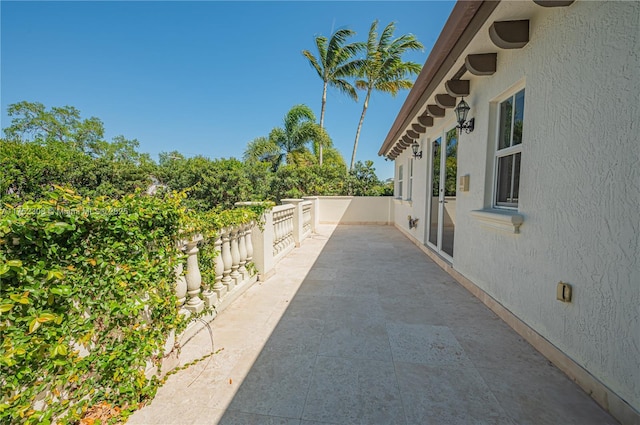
(579, 188)
(415, 206)
(356, 209)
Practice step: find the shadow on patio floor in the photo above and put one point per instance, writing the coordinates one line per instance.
(358, 326)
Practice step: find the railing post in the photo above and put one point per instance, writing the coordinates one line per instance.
(315, 211)
(262, 243)
(298, 220)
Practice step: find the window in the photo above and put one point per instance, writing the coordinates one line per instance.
(399, 194)
(511, 118)
(410, 183)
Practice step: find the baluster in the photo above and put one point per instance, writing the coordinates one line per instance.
(227, 260)
(280, 229)
(276, 232)
(249, 242)
(283, 231)
(181, 286)
(290, 229)
(307, 219)
(218, 287)
(292, 224)
(194, 279)
(242, 247)
(235, 257)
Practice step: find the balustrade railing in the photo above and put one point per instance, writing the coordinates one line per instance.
(234, 250)
(244, 254)
(283, 229)
(241, 252)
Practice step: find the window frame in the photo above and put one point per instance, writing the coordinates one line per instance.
(399, 180)
(511, 150)
(409, 179)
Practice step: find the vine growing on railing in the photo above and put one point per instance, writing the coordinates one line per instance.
(88, 299)
(209, 224)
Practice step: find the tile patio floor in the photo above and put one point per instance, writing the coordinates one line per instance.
(358, 326)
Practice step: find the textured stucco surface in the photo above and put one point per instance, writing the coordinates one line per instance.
(356, 209)
(579, 189)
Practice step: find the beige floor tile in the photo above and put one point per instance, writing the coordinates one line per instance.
(359, 326)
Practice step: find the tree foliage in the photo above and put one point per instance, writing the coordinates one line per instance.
(298, 130)
(383, 68)
(34, 160)
(46, 147)
(218, 183)
(364, 182)
(263, 150)
(335, 65)
(33, 122)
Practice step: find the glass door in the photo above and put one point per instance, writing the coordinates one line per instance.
(442, 202)
(434, 199)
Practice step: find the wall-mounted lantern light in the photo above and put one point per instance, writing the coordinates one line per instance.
(415, 147)
(413, 222)
(462, 110)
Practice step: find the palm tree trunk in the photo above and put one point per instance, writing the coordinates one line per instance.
(355, 143)
(324, 102)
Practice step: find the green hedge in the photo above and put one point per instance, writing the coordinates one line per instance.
(87, 298)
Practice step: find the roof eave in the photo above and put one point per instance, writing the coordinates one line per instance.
(466, 19)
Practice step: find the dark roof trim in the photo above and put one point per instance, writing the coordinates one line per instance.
(466, 19)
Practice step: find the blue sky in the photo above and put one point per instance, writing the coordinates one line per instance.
(200, 77)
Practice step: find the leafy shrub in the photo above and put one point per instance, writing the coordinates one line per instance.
(88, 298)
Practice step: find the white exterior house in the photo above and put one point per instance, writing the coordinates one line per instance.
(546, 188)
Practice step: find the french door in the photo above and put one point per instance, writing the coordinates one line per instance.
(442, 202)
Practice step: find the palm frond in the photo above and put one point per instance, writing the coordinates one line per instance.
(404, 43)
(362, 84)
(372, 39)
(278, 136)
(403, 70)
(321, 45)
(345, 87)
(385, 37)
(352, 49)
(262, 149)
(313, 62)
(393, 87)
(349, 69)
(296, 116)
(336, 45)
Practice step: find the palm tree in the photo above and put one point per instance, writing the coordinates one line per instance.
(299, 128)
(261, 149)
(334, 63)
(383, 69)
